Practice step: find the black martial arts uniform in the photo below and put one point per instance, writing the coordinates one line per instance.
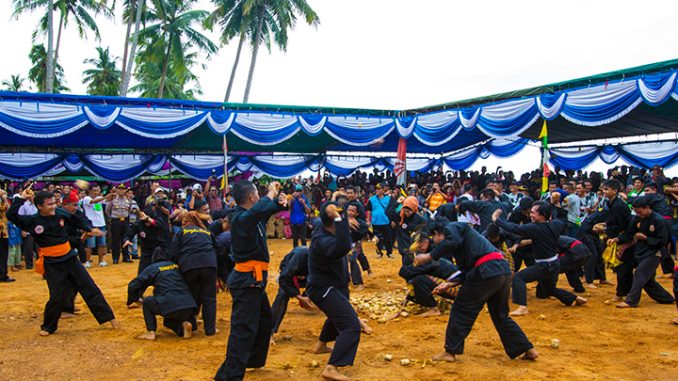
(362, 258)
(193, 249)
(222, 246)
(328, 289)
(659, 204)
(74, 239)
(484, 209)
(647, 255)
(292, 278)
(251, 312)
(594, 267)
(544, 238)
(617, 217)
(523, 254)
(171, 298)
(357, 249)
(404, 233)
(151, 236)
(486, 278)
(422, 279)
(63, 271)
(572, 254)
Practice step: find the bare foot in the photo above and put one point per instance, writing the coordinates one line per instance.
(332, 373)
(188, 330)
(591, 286)
(530, 355)
(433, 311)
(322, 348)
(150, 335)
(369, 273)
(674, 320)
(271, 342)
(67, 315)
(448, 357)
(360, 287)
(44, 333)
(580, 301)
(134, 305)
(364, 327)
(520, 311)
(623, 305)
(605, 283)
(614, 300)
(115, 324)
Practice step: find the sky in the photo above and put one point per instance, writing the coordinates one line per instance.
(396, 54)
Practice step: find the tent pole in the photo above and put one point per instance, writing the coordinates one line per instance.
(224, 181)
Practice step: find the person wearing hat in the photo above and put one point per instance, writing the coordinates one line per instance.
(299, 210)
(159, 209)
(515, 194)
(410, 222)
(118, 210)
(651, 235)
(378, 210)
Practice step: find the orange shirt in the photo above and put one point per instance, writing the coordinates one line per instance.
(435, 201)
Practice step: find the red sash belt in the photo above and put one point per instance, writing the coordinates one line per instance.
(489, 257)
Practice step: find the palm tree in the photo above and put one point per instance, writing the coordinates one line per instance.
(38, 73)
(278, 16)
(104, 77)
(179, 75)
(21, 6)
(79, 10)
(139, 8)
(14, 83)
(173, 32)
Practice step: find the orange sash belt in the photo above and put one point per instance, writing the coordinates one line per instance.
(257, 267)
(50, 251)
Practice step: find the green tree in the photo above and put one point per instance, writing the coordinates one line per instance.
(138, 9)
(14, 83)
(38, 72)
(277, 16)
(179, 76)
(166, 41)
(104, 77)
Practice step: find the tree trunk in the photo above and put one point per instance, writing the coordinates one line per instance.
(58, 41)
(124, 84)
(254, 55)
(235, 66)
(165, 63)
(126, 51)
(49, 65)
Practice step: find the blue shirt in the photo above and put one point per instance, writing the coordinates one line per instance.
(378, 207)
(298, 212)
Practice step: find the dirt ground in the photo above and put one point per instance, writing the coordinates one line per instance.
(598, 341)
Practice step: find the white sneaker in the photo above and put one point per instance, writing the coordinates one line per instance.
(87, 264)
(103, 264)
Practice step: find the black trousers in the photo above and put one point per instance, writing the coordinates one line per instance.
(250, 333)
(643, 279)
(547, 276)
(625, 272)
(423, 285)
(28, 250)
(172, 320)
(362, 258)
(385, 235)
(342, 324)
(298, 233)
(594, 268)
(4, 254)
(82, 254)
(203, 286)
(279, 309)
(668, 264)
(522, 255)
(472, 296)
(70, 275)
(146, 258)
(354, 267)
(118, 231)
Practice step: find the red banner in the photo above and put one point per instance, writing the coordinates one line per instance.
(400, 167)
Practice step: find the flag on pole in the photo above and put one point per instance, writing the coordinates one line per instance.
(546, 171)
(400, 167)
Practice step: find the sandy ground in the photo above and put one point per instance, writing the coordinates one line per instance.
(598, 341)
